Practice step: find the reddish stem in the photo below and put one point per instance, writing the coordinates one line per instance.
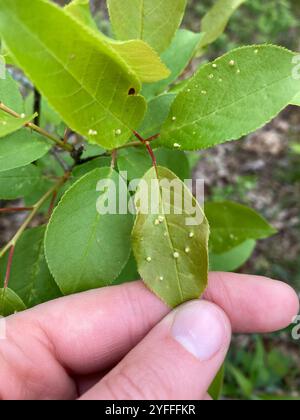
(52, 204)
(114, 156)
(155, 137)
(15, 209)
(146, 142)
(9, 264)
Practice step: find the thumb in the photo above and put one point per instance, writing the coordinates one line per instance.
(177, 360)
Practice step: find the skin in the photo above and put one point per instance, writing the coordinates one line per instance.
(116, 343)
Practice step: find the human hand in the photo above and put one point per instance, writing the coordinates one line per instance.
(123, 343)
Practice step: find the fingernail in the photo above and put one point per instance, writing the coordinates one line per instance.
(201, 328)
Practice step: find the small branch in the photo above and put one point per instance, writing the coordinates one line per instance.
(114, 155)
(52, 204)
(15, 209)
(155, 137)
(131, 144)
(9, 265)
(146, 142)
(34, 211)
(39, 130)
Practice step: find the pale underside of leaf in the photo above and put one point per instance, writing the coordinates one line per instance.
(155, 245)
(231, 97)
(138, 55)
(84, 80)
(154, 21)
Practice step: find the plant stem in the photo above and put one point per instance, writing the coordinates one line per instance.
(52, 204)
(9, 264)
(39, 130)
(114, 155)
(15, 209)
(131, 144)
(34, 211)
(146, 142)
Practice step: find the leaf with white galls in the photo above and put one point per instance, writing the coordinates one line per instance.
(171, 253)
(227, 99)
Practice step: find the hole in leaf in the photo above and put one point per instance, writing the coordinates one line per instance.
(131, 91)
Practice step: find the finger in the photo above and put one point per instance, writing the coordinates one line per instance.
(92, 331)
(89, 332)
(178, 360)
(253, 304)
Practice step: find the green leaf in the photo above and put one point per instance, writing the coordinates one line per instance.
(10, 94)
(18, 182)
(136, 162)
(81, 170)
(21, 148)
(176, 57)
(138, 55)
(234, 259)
(172, 256)
(84, 80)
(10, 303)
(216, 388)
(142, 59)
(296, 100)
(216, 20)
(9, 124)
(157, 112)
(84, 248)
(232, 97)
(232, 224)
(80, 9)
(129, 273)
(153, 21)
(176, 161)
(30, 278)
(245, 385)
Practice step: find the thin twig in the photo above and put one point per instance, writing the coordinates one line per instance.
(15, 209)
(39, 130)
(114, 155)
(9, 265)
(149, 148)
(33, 213)
(52, 204)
